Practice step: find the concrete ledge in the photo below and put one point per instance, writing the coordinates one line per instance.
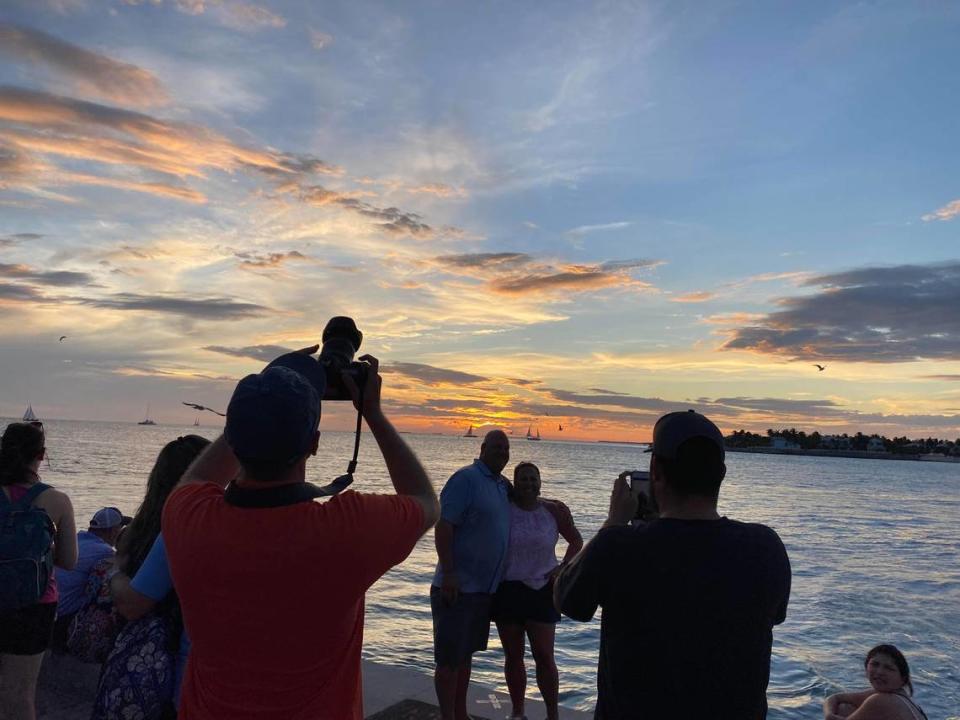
(67, 686)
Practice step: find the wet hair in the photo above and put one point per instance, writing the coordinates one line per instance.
(697, 470)
(899, 660)
(22, 443)
(171, 463)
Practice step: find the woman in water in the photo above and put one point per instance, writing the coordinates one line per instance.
(25, 631)
(890, 696)
(523, 604)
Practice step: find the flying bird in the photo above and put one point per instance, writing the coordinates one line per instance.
(62, 338)
(201, 407)
(560, 428)
(821, 368)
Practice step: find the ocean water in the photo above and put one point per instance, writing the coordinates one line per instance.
(873, 546)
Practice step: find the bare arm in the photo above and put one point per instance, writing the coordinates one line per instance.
(406, 473)
(831, 705)
(566, 527)
(443, 539)
(60, 510)
(216, 464)
(878, 706)
(131, 604)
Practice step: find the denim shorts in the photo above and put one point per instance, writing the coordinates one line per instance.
(461, 629)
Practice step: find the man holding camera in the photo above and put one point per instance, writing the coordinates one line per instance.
(689, 599)
(272, 584)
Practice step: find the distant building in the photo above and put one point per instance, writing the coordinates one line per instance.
(783, 444)
(875, 444)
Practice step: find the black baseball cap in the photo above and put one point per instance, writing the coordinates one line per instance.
(673, 429)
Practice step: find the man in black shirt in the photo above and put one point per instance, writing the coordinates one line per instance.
(689, 599)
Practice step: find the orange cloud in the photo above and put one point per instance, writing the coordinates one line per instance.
(947, 212)
(694, 297)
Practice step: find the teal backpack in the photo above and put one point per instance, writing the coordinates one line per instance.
(26, 550)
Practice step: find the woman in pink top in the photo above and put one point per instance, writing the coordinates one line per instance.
(25, 631)
(523, 604)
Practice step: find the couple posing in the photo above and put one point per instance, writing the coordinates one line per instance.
(496, 548)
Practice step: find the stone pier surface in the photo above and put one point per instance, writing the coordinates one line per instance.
(67, 686)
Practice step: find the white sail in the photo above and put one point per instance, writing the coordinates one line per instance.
(29, 415)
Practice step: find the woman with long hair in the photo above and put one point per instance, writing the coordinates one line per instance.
(26, 629)
(890, 696)
(523, 604)
(142, 590)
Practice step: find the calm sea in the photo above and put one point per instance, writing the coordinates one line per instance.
(873, 545)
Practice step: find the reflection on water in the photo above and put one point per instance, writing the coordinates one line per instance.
(873, 547)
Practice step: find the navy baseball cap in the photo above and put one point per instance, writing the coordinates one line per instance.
(673, 429)
(274, 414)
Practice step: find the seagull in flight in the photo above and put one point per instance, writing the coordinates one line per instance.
(201, 407)
(821, 368)
(62, 338)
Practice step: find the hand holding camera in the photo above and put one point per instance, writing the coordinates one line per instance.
(647, 509)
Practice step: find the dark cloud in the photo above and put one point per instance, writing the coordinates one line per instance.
(603, 391)
(892, 314)
(19, 293)
(617, 399)
(944, 378)
(615, 265)
(197, 308)
(93, 73)
(433, 375)
(264, 353)
(484, 260)
(556, 281)
(391, 219)
(256, 260)
(56, 278)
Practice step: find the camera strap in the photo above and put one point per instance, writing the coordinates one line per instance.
(345, 480)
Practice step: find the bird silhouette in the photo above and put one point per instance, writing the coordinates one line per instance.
(201, 407)
(560, 428)
(821, 368)
(62, 338)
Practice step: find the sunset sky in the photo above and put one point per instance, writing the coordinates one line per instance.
(539, 213)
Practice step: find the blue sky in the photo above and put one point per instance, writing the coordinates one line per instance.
(525, 206)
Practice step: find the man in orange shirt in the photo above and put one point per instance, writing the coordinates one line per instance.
(272, 584)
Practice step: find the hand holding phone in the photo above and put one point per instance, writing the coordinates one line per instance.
(639, 481)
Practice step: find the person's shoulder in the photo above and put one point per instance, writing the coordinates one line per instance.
(53, 501)
(466, 474)
(757, 532)
(188, 494)
(889, 704)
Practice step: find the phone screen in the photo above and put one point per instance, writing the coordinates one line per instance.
(640, 485)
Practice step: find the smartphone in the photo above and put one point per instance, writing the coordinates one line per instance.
(639, 482)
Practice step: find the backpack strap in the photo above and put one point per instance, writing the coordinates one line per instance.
(28, 497)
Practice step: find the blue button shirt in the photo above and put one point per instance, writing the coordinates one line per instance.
(91, 549)
(474, 501)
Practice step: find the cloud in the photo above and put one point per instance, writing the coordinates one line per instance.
(440, 190)
(16, 238)
(431, 375)
(587, 229)
(602, 391)
(264, 353)
(320, 40)
(571, 278)
(47, 124)
(694, 297)
(943, 378)
(874, 314)
(248, 17)
(270, 260)
(214, 308)
(91, 73)
(947, 212)
(484, 260)
(55, 278)
(391, 220)
(19, 293)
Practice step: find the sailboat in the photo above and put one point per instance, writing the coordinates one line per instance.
(29, 416)
(531, 436)
(147, 420)
(469, 432)
(196, 423)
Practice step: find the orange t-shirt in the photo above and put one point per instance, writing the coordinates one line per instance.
(273, 598)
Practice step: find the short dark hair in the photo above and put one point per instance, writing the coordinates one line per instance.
(697, 470)
(899, 660)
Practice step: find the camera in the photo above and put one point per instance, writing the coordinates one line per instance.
(639, 482)
(341, 340)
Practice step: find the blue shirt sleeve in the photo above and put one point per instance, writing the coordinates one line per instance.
(153, 578)
(455, 497)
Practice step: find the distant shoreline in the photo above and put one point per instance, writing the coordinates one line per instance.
(858, 454)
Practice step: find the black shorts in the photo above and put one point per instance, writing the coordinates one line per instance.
(27, 630)
(461, 629)
(516, 603)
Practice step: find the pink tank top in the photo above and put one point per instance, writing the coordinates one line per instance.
(531, 554)
(50, 595)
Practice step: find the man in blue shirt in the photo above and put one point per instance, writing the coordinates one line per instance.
(94, 544)
(471, 539)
